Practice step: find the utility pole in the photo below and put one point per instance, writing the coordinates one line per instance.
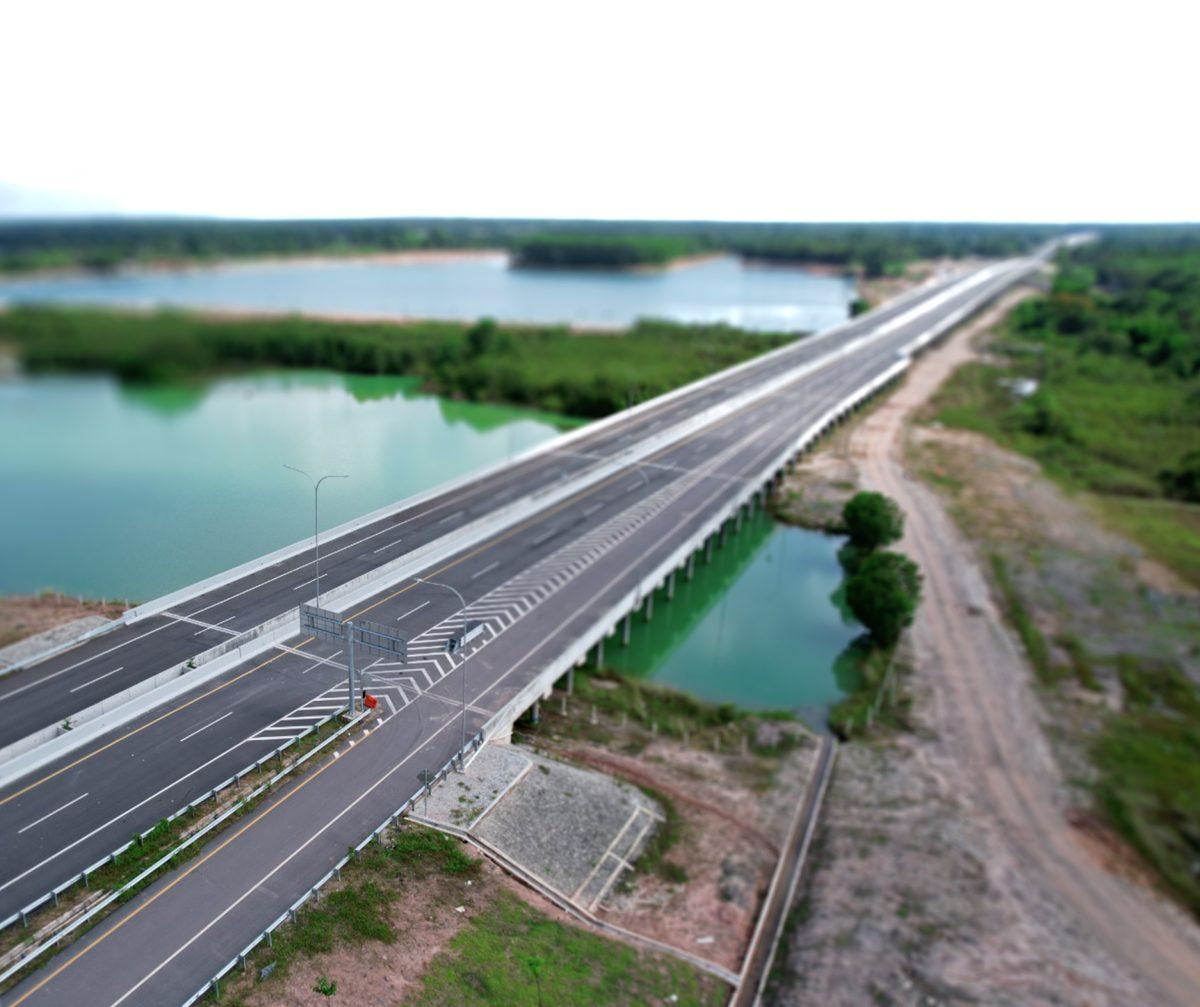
(316, 485)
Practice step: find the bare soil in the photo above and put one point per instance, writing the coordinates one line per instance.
(25, 615)
(955, 865)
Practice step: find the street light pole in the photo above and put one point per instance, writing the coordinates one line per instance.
(463, 633)
(316, 485)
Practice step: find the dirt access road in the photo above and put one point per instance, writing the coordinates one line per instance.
(986, 717)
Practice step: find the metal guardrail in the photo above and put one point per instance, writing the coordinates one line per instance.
(195, 837)
(334, 873)
(21, 915)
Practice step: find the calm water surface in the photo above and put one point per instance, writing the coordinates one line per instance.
(716, 290)
(760, 626)
(132, 492)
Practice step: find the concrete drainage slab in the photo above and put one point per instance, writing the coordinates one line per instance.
(574, 829)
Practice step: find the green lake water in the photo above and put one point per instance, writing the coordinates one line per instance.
(760, 626)
(118, 491)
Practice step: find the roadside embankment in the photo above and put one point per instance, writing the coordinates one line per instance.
(32, 624)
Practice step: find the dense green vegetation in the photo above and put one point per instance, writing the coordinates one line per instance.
(557, 251)
(1114, 354)
(873, 249)
(510, 955)
(1149, 762)
(883, 592)
(584, 374)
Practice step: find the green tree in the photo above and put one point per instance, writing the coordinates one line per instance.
(481, 336)
(872, 520)
(883, 595)
(1183, 482)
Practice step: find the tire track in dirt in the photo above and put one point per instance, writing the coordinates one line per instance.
(987, 714)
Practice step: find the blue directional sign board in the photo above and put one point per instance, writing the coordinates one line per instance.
(381, 639)
(330, 626)
(325, 624)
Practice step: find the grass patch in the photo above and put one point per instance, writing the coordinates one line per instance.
(1081, 662)
(1168, 530)
(857, 712)
(357, 911)
(420, 851)
(1149, 761)
(669, 712)
(489, 963)
(1032, 638)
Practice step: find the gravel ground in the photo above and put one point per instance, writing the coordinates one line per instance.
(559, 821)
(464, 798)
(575, 829)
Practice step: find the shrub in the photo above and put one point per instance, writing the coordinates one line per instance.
(883, 595)
(872, 520)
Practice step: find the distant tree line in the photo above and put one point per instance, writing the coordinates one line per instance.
(872, 249)
(572, 251)
(581, 374)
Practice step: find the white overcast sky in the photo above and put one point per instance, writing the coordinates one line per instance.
(738, 110)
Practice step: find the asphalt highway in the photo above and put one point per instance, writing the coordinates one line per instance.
(53, 690)
(538, 587)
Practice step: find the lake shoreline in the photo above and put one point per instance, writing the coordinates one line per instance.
(156, 267)
(407, 257)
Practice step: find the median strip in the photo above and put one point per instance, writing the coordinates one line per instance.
(138, 862)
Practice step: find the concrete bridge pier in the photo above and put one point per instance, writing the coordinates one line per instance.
(625, 628)
(600, 653)
(691, 565)
(650, 606)
(708, 549)
(671, 586)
